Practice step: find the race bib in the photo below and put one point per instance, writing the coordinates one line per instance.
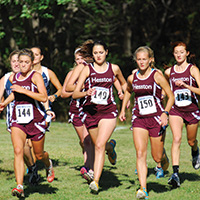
(24, 113)
(182, 97)
(146, 105)
(101, 96)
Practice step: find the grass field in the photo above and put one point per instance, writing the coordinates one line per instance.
(117, 182)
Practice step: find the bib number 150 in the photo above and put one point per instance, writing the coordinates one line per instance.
(146, 105)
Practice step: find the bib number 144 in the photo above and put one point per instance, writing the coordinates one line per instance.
(24, 113)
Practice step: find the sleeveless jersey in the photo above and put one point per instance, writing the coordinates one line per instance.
(103, 100)
(76, 104)
(185, 100)
(9, 108)
(7, 84)
(27, 110)
(45, 76)
(147, 96)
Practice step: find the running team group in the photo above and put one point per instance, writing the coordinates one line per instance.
(93, 111)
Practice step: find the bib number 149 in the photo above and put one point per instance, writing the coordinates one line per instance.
(101, 96)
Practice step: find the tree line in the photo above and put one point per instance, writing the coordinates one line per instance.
(59, 26)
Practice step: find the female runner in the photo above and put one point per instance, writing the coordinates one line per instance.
(28, 120)
(99, 108)
(184, 80)
(149, 117)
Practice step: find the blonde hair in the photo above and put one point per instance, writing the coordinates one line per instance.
(150, 54)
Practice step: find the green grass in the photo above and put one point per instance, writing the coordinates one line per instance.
(117, 182)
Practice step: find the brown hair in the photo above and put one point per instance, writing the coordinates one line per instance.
(86, 50)
(13, 53)
(27, 52)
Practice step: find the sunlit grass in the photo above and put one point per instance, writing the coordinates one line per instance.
(117, 182)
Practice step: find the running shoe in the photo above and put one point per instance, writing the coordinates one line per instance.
(34, 177)
(174, 180)
(19, 192)
(159, 172)
(112, 156)
(83, 170)
(165, 161)
(196, 161)
(89, 176)
(94, 187)
(142, 194)
(50, 172)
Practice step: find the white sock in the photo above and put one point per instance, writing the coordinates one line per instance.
(19, 186)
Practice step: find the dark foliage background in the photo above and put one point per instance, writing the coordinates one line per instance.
(60, 26)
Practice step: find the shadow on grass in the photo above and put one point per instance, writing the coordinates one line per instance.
(41, 189)
(40, 166)
(188, 176)
(156, 187)
(108, 179)
(159, 188)
(42, 179)
(8, 172)
(56, 162)
(77, 167)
